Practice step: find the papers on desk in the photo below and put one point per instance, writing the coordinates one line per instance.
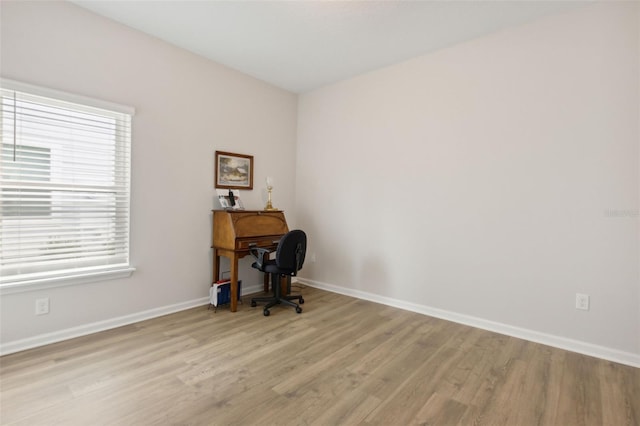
(225, 199)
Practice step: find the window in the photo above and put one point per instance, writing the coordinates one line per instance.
(64, 178)
(38, 160)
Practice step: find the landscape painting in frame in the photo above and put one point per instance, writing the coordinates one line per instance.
(233, 171)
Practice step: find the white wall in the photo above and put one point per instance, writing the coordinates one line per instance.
(491, 181)
(477, 182)
(187, 107)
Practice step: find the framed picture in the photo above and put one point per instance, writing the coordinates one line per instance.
(233, 171)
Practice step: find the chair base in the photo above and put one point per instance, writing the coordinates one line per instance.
(273, 301)
(277, 298)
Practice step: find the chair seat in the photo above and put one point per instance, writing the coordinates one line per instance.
(270, 267)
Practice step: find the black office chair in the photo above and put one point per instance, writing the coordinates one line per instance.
(289, 259)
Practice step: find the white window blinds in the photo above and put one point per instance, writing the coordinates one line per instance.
(64, 185)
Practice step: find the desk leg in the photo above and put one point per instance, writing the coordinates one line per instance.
(265, 279)
(234, 283)
(216, 266)
(283, 286)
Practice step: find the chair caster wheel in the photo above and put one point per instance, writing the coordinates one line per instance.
(301, 300)
(266, 312)
(253, 304)
(298, 309)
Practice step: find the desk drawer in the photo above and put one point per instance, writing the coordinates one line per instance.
(258, 242)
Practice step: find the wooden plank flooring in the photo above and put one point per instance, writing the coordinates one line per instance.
(342, 361)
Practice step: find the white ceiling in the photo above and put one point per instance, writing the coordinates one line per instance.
(302, 45)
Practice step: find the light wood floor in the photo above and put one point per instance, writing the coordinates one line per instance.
(342, 361)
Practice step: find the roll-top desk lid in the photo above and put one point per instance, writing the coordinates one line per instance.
(231, 225)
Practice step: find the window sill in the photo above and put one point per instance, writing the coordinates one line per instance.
(46, 283)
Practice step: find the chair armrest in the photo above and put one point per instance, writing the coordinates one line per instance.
(258, 253)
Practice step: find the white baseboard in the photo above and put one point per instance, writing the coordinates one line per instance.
(83, 330)
(256, 288)
(584, 348)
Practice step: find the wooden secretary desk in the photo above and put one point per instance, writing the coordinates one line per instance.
(236, 232)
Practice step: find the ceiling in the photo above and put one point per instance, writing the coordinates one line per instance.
(303, 45)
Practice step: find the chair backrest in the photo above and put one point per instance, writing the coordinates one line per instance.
(291, 251)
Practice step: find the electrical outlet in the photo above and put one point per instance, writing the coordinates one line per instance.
(582, 301)
(313, 257)
(42, 306)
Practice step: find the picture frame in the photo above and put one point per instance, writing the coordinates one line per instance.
(233, 171)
